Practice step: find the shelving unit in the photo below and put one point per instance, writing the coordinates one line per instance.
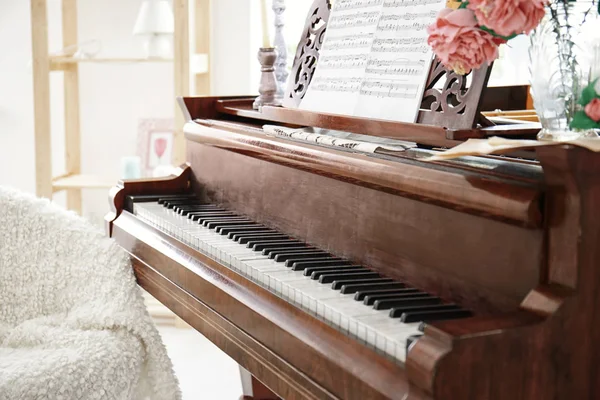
(44, 64)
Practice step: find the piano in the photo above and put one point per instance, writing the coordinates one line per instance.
(328, 273)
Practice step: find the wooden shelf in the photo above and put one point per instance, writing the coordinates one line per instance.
(81, 182)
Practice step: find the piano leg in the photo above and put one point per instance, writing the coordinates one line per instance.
(253, 389)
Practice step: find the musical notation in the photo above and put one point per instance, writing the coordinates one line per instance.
(350, 42)
(344, 5)
(345, 61)
(336, 85)
(402, 45)
(409, 3)
(354, 20)
(382, 89)
(395, 67)
(396, 27)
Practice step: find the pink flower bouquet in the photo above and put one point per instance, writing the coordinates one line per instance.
(468, 35)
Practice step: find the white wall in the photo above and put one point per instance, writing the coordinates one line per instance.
(113, 97)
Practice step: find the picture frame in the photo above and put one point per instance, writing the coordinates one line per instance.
(155, 143)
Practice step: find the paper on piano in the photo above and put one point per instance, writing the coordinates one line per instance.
(363, 143)
(375, 60)
(495, 145)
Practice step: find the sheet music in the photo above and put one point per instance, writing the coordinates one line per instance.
(352, 141)
(375, 59)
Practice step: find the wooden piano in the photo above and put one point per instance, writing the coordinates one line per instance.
(469, 279)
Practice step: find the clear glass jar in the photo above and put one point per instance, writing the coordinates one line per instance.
(563, 61)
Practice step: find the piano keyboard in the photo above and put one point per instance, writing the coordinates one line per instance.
(382, 313)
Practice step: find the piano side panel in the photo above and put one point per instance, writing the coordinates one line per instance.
(481, 263)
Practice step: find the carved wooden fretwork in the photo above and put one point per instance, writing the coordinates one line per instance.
(307, 53)
(454, 105)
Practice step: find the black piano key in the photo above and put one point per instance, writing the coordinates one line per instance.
(308, 251)
(186, 211)
(244, 237)
(370, 300)
(276, 245)
(360, 296)
(148, 198)
(345, 275)
(396, 312)
(349, 288)
(210, 224)
(197, 216)
(196, 206)
(300, 265)
(310, 270)
(204, 220)
(353, 286)
(302, 255)
(289, 263)
(218, 227)
(417, 300)
(258, 228)
(226, 230)
(163, 198)
(273, 252)
(409, 317)
(172, 203)
(410, 341)
(251, 243)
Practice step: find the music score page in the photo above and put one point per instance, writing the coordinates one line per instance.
(375, 60)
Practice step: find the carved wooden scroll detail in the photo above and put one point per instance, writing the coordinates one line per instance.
(307, 54)
(456, 104)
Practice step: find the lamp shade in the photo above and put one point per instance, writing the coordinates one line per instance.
(155, 17)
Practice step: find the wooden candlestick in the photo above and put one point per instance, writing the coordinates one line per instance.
(268, 84)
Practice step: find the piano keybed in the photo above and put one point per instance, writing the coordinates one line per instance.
(383, 313)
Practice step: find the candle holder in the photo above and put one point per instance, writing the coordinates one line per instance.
(268, 83)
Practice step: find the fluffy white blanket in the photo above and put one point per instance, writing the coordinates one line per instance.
(72, 320)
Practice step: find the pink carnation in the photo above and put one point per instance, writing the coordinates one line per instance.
(459, 43)
(508, 17)
(592, 110)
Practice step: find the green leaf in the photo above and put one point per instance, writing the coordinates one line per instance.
(463, 4)
(588, 94)
(582, 121)
(507, 38)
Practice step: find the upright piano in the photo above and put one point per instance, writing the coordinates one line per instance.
(329, 273)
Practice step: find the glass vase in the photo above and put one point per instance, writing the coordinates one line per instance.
(562, 65)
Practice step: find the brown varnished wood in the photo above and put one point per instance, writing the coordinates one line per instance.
(413, 241)
(533, 286)
(177, 183)
(495, 198)
(553, 350)
(254, 389)
(240, 346)
(206, 106)
(332, 363)
(240, 108)
(426, 134)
